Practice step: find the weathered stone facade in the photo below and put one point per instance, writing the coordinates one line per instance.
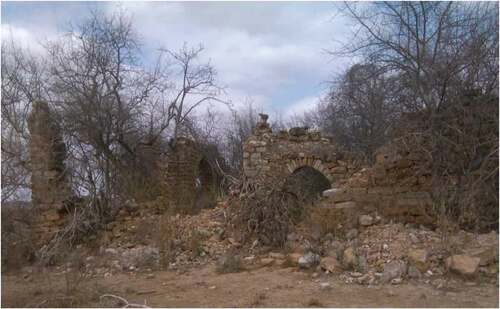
(269, 156)
(49, 185)
(189, 181)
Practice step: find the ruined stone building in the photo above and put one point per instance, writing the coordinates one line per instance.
(189, 182)
(297, 157)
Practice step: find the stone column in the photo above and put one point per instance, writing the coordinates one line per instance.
(49, 185)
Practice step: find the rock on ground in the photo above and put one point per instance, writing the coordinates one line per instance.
(365, 220)
(463, 264)
(393, 270)
(309, 260)
(418, 258)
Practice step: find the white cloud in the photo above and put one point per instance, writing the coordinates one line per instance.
(303, 105)
(272, 52)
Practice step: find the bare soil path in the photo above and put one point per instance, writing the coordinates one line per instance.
(264, 287)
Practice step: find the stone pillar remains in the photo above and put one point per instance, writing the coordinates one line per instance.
(49, 185)
(186, 178)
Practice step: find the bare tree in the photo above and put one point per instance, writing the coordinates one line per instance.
(111, 105)
(360, 109)
(432, 44)
(22, 76)
(445, 56)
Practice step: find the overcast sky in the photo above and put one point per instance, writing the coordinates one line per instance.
(273, 53)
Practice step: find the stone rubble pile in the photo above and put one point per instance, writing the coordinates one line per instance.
(383, 253)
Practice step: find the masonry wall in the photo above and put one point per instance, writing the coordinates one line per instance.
(396, 186)
(270, 156)
(183, 177)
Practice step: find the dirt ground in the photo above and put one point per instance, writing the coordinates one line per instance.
(263, 287)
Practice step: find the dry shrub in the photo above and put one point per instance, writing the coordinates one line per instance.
(18, 247)
(86, 217)
(267, 213)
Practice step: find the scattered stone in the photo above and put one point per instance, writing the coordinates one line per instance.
(316, 232)
(438, 283)
(362, 264)
(315, 275)
(487, 255)
(366, 279)
(396, 281)
(292, 237)
(365, 220)
(329, 237)
(351, 234)
(150, 276)
(463, 264)
(111, 251)
(413, 272)
(329, 264)
(413, 238)
(393, 269)
(294, 258)
(266, 261)
(254, 244)
(356, 274)
(325, 286)
(233, 242)
(331, 192)
(141, 256)
(418, 258)
(308, 260)
(349, 258)
(213, 287)
(275, 255)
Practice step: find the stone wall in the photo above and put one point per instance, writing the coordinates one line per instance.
(397, 186)
(49, 185)
(189, 181)
(270, 156)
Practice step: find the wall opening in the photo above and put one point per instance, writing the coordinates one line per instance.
(307, 183)
(205, 184)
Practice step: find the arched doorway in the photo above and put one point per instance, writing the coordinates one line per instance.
(307, 183)
(205, 184)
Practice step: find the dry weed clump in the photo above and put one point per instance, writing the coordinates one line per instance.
(267, 213)
(18, 248)
(168, 235)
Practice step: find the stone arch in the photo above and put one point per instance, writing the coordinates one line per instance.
(306, 182)
(205, 185)
(317, 164)
(269, 156)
